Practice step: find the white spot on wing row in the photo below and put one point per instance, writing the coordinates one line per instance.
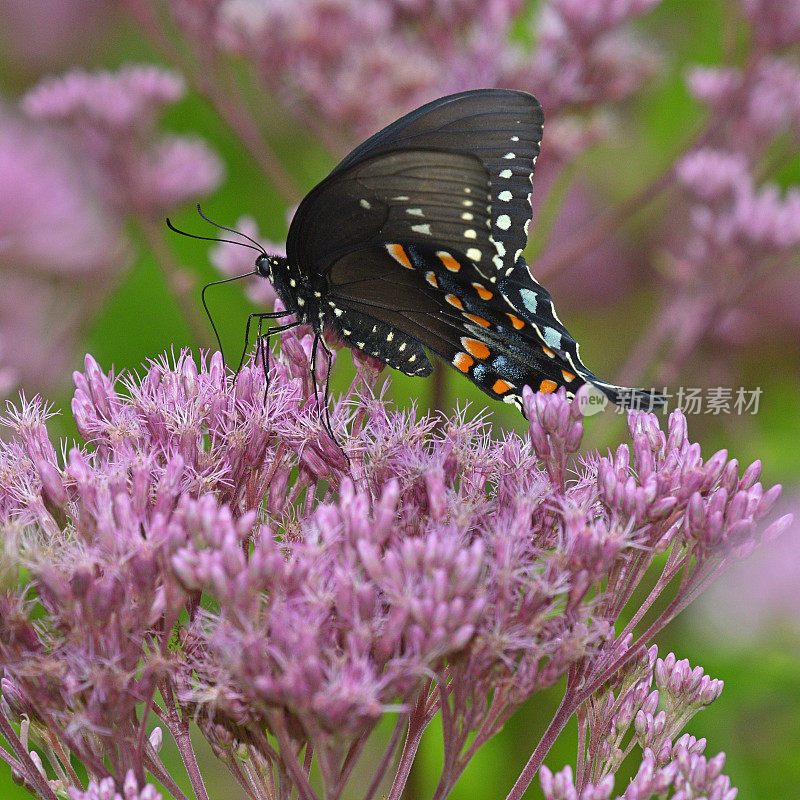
(426, 229)
(530, 300)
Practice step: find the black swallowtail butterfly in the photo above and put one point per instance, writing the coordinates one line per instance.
(415, 241)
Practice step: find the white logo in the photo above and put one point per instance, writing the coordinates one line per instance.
(591, 400)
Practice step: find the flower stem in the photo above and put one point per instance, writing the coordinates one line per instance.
(603, 226)
(184, 742)
(179, 729)
(416, 727)
(562, 716)
(383, 764)
(289, 757)
(34, 779)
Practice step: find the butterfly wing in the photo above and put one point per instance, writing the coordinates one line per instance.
(495, 132)
(416, 196)
(392, 299)
(415, 239)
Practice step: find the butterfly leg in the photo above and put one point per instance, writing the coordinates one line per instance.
(261, 316)
(317, 340)
(324, 412)
(262, 348)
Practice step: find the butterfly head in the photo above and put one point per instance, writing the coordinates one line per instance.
(286, 281)
(266, 265)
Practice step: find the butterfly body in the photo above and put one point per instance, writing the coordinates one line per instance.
(415, 241)
(294, 288)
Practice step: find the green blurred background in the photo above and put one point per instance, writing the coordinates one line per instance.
(757, 720)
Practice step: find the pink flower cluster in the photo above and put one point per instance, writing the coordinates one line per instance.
(752, 106)
(211, 554)
(685, 772)
(86, 158)
(113, 117)
(61, 243)
(106, 789)
(584, 58)
(736, 224)
(414, 51)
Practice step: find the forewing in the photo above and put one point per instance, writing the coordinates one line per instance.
(413, 196)
(500, 128)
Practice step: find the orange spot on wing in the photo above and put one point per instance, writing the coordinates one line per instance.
(398, 253)
(454, 301)
(448, 261)
(568, 376)
(463, 362)
(515, 321)
(484, 323)
(431, 278)
(548, 352)
(475, 348)
(548, 386)
(482, 291)
(500, 387)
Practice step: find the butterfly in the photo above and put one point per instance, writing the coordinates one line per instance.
(414, 241)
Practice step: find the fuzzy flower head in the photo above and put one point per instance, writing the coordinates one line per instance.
(118, 101)
(776, 23)
(416, 50)
(289, 588)
(735, 224)
(113, 116)
(752, 106)
(586, 56)
(61, 245)
(106, 790)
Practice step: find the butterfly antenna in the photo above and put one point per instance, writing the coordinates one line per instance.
(213, 238)
(230, 230)
(208, 313)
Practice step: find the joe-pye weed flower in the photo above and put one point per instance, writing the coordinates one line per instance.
(209, 555)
